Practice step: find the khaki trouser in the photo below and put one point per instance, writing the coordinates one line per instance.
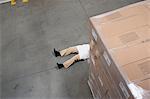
(68, 51)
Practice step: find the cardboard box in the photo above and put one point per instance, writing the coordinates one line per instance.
(138, 70)
(92, 87)
(126, 26)
(145, 84)
(127, 55)
(96, 91)
(130, 38)
(122, 38)
(122, 13)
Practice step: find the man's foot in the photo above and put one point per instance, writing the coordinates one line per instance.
(57, 53)
(60, 65)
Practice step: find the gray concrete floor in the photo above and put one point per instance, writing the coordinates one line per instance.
(29, 34)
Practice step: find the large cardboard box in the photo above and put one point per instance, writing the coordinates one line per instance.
(124, 27)
(125, 33)
(122, 38)
(133, 61)
(138, 70)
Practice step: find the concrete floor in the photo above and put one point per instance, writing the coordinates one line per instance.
(29, 34)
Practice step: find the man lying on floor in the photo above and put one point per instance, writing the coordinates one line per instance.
(82, 53)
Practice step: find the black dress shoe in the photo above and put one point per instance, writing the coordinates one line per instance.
(60, 65)
(57, 53)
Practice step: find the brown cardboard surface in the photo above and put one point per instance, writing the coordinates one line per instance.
(145, 84)
(122, 21)
(124, 56)
(129, 38)
(124, 26)
(123, 13)
(137, 70)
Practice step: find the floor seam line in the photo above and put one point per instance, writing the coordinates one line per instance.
(25, 76)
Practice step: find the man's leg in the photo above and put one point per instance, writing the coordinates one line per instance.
(69, 62)
(66, 51)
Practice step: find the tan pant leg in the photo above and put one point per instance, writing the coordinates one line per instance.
(68, 51)
(71, 61)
